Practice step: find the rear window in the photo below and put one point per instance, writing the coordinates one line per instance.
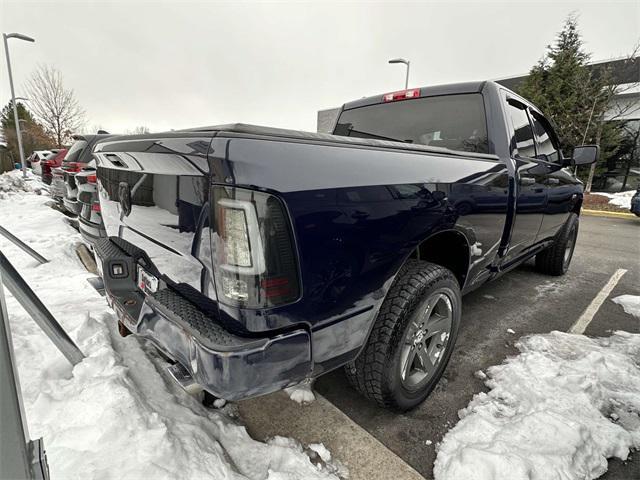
(75, 151)
(456, 122)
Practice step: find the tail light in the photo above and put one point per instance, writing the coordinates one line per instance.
(95, 206)
(401, 95)
(73, 166)
(254, 259)
(92, 179)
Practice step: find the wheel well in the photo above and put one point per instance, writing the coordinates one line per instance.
(449, 249)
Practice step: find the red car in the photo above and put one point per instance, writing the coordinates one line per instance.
(53, 162)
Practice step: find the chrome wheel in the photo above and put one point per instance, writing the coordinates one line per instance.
(426, 340)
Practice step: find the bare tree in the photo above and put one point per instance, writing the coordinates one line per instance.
(53, 105)
(141, 130)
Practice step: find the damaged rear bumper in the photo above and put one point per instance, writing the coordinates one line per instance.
(225, 364)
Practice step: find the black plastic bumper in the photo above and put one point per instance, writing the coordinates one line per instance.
(227, 365)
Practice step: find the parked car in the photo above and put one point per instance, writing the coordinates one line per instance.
(63, 186)
(52, 161)
(90, 217)
(635, 203)
(257, 257)
(35, 158)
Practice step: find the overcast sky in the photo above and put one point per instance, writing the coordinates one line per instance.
(184, 64)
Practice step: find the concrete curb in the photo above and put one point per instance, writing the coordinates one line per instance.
(602, 213)
(365, 457)
(86, 258)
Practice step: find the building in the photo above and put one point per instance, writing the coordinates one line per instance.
(623, 170)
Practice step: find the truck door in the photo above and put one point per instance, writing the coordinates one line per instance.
(561, 187)
(531, 181)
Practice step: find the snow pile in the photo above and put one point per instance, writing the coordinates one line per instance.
(12, 182)
(630, 304)
(620, 199)
(556, 411)
(117, 415)
(301, 393)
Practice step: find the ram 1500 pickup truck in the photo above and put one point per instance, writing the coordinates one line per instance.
(255, 258)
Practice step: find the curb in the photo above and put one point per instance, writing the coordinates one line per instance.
(365, 457)
(602, 213)
(86, 258)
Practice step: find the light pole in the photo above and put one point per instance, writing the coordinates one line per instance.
(19, 36)
(406, 62)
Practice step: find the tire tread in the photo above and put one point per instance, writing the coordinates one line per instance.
(367, 372)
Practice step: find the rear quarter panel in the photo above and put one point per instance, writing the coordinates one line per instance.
(358, 214)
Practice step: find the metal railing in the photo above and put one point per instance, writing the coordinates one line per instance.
(11, 237)
(20, 457)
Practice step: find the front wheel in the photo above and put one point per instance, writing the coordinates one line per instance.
(412, 338)
(555, 259)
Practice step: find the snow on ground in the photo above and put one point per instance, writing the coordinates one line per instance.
(301, 393)
(116, 415)
(620, 199)
(630, 304)
(557, 410)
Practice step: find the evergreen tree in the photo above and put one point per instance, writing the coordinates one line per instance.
(33, 135)
(573, 96)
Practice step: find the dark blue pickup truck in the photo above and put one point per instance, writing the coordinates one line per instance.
(255, 258)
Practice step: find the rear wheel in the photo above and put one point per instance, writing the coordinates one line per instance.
(555, 259)
(412, 338)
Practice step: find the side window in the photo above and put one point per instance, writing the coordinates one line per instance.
(545, 140)
(523, 133)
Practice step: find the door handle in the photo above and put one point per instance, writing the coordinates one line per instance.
(527, 181)
(553, 181)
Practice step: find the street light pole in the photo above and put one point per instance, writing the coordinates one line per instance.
(407, 63)
(19, 36)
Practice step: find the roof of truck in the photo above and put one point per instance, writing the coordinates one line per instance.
(427, 91)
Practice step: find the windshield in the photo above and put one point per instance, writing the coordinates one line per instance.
(75, 151)
(456, 122)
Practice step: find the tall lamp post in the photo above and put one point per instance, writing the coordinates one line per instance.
(407, 63)
(19, 36)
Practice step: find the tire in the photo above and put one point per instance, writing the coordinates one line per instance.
(393, 370)
(555, 260)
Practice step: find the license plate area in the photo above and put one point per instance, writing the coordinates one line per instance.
(146, 282)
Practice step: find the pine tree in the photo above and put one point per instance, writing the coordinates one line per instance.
(573, 96)
(33, 135)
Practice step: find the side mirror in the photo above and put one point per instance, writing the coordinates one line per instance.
(585, 154)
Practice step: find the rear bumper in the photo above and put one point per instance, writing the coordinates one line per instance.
(227, 365)
(91, 232)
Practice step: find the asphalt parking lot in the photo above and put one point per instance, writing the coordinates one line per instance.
(526, 302)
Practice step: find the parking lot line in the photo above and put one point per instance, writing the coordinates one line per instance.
(585, 319)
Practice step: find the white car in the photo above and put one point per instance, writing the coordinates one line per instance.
(37, 157)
